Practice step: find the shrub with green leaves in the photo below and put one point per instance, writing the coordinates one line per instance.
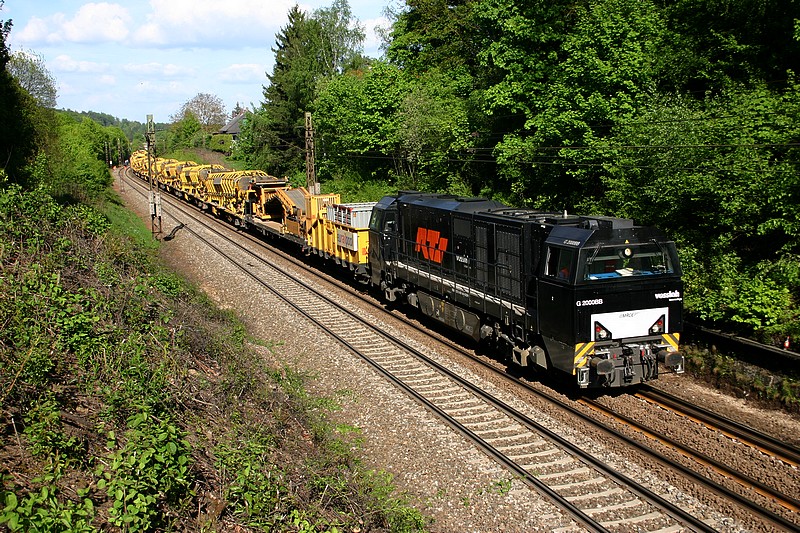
(45, 434)
(141, 364)
(148, 478)
(46, 509)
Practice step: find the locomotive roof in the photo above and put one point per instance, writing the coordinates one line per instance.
(585, 225)
(563, 219)
(448, 202)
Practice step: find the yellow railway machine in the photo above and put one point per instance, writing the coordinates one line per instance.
(346, 231)
(193, 176)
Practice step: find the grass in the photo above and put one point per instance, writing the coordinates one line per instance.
(130, 401)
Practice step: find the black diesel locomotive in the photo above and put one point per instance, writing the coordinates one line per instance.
(595, 298)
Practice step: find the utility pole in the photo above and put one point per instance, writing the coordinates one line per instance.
(154, 195)
(311, 174)
(120, 166)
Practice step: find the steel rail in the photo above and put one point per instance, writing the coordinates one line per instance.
(769, 445)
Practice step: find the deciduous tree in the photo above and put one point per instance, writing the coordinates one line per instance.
(308, 50)
(30, 71)
(338, 37)
(207, 108)
(358, 120)
(185, 130)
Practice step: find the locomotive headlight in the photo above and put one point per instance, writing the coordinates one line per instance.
(601, 333)
(625, 253)
(658, 326)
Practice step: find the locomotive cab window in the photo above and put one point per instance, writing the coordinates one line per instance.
(610, 262)
(389, 223)
(376, 221)
(560, 263)
(383, 221)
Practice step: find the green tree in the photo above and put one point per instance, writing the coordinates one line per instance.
(276, 130)
(338, 38)
(718, 42)
(208, 110)
(585, 77)
(721, 176)
(358, 120)
(435, 34)
(185, 131)
(78, 167)
(434, 137)
(19, 141)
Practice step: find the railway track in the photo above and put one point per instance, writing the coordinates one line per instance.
(773, 504)
(749, 488)
(766, 444)
(572, 479)
(515, 450)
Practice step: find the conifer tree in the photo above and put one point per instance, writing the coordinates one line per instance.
(278, 125)
(308, 49)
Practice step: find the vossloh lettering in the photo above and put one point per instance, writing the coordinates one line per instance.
(667, 295)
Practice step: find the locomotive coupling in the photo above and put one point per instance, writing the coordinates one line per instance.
(602, 366)
(487, 331)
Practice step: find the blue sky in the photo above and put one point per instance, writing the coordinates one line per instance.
(139, 57)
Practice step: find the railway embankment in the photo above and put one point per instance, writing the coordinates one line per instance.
(129, 400)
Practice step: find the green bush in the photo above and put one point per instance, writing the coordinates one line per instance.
(46, 509)
(149, 477)
(221, 142)
(95, 332)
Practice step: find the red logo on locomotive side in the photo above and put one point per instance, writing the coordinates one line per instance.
(431, 244)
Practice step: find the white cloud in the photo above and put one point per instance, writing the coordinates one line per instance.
(35, 31)
(158, 69)
(101, 22)
(208, 14)
(65, 63)
(169, 88)
(243, 73)
(151, 34)
(107, 79)
(212, 23)
(92, 23)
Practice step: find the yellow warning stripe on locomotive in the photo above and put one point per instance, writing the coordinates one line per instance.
(673, 339)
(582, 352)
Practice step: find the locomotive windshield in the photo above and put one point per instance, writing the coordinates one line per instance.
(621, 260)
